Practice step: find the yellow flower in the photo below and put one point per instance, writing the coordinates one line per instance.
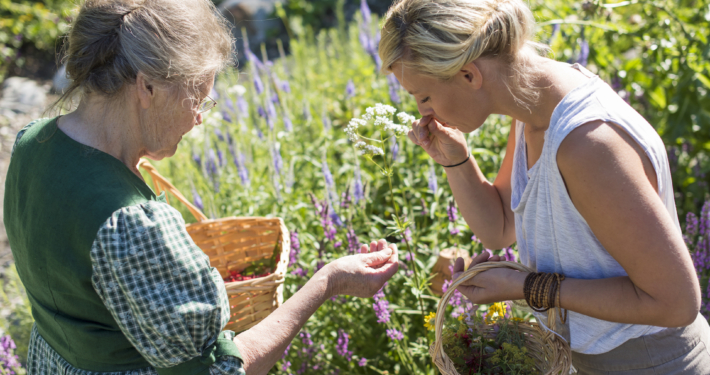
(460, 318)
(430, 321)
(516, 319)
(495, 310)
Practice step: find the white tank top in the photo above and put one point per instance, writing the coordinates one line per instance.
(552, 235)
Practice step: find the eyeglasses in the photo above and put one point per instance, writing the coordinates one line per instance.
(206, 104)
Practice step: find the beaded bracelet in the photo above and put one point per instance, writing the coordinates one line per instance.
(542, 292)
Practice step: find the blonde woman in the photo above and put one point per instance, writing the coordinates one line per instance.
(584, 188)
(116, 284)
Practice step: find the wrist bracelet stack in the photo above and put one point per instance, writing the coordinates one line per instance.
(542, 292)
(456, 165)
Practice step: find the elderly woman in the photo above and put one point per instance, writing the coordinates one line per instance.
(585, 187)
(115, 282)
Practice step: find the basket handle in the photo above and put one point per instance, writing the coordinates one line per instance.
(162, 184)
(436, 350)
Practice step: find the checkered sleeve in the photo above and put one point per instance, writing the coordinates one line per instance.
(160, 288)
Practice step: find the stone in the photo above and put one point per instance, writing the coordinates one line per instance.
(255, 17)
(22, 96)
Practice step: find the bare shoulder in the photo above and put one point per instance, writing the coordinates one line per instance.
(601, 150)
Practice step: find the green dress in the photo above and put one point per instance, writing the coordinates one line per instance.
(115, 282)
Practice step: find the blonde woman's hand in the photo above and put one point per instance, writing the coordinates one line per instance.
(362, 275)
(446, 145)
(494, 285)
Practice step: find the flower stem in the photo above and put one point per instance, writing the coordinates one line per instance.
(409, 248)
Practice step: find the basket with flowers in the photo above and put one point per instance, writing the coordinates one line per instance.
(496, 342)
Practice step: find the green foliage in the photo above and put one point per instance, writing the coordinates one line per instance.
(18, 323)
(31, 22)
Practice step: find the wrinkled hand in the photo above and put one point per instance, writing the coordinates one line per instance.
(445, 144)
(362, 275)
(494, 285)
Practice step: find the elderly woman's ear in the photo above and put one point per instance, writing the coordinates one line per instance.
(144, 90)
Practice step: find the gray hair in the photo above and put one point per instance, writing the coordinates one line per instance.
(439, 37)
(173, 42)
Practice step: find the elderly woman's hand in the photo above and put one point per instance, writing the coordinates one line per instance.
(362, 275)
(494, 285)
(446, 145)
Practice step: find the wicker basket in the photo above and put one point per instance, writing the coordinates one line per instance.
(233, 244)
(551, 352)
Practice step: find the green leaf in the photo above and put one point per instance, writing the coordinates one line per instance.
(703, 79)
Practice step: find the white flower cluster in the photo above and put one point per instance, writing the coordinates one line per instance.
(366, 149)
(381, 117)
(351, 129)
(379, 110)
(405, 118)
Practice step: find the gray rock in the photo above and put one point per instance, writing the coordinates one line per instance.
(60, 82)
(22, 95)
(253, 15)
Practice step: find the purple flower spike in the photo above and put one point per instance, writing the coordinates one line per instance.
(381, 306)
(394, 89)
(295, 248)
(358, 192)
(365, 11)
(433, 186)
(243, 106)
(341, 347)
(350, 89)
(394, 149)
(394, 334)
(270, 109)
(691, 225)
(509, 254)
(353, 242)
(452, 212)
(197, 159)
(197, 200)
(278, 161)
(583, 57)
(288, 125)
(258, 85)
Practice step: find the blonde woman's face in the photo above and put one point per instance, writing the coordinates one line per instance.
(459, 103)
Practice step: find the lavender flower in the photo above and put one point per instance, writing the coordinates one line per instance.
(457, 298)
(353, 242)
(583, 57)
(219, 134)
(288, 125)
(350, 89)
(212, 171)
(261, 111)
(451, 211)
(358, 192)
(366, 43)
(242, 105)
(270, 109)
(381, 306)
(327, 124)
(394, 149)
(197, 200)
(395, 334)
(300, 272)
(220, 157)
(425, 210)
(335, 218)
(509, 254)
(276, 155)
(394, 88)
(433, 186)
(197, 159)
(284, 86)
(329, 182)
(9, 362)
(295, 248)
(258, 85)
(407, 237)
(365, 11)
(555, 30)
(341, 347)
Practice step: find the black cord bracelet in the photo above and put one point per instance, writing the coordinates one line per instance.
(456, 165)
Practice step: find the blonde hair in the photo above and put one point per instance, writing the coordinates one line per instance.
(439, 37)
(173, 42)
